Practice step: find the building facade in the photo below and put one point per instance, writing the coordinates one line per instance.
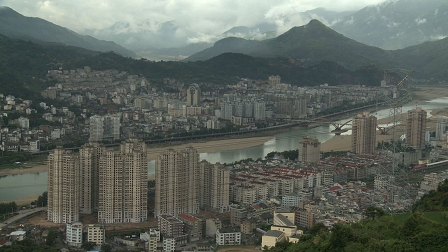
(309, 150)
(73, 234)
(177, 182)
(214, 187)
(364, 133)
(416, 128)
(123, 184)
(63, 186)
(96, 234)
(228, 236)
(193, 95)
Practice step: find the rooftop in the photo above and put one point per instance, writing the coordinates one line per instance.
(273, 233)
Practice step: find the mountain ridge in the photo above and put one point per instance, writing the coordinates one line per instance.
(16, 25)
(312, 42)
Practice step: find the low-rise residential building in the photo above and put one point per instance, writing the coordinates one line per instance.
(193, 226)
(170, 226)
(271, 238)
(248, 226)
(96, 233)
(169, 244)
(73, 234)
(228, 236)
(211, 226)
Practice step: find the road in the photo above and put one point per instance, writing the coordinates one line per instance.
(21, 214)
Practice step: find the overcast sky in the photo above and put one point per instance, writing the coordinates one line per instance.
(203, 16)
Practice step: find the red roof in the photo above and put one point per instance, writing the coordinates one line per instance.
(188, 217)
(335, 188)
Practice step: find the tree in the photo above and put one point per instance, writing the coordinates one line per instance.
(341, 235)
(106, 248)
(373, 212)
(42, 200)
(51, 237)
(88, 245)
(317, 228)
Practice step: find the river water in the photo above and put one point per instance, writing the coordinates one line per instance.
(19, 186)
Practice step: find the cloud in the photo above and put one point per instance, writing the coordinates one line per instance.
(196, 20)
(420, 21)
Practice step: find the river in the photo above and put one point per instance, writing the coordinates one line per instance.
(19, 186)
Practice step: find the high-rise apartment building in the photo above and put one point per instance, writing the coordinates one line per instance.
(193, 95)
(96, 128)
(123, 184)
(309, 150)
(416, 128)
(63, 186)
(111, 127)
(177, 182)
(86, 154)
(214, 187)
(440, 128)
(364, 133)
(112, 181)
(104, 127)
(274, 80)
(259, 110)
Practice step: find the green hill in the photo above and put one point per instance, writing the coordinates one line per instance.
(227, 68)
(23, 65)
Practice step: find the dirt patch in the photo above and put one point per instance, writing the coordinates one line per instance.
(238, 249)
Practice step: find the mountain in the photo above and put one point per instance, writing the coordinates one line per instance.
(15, 25)
(141, 35)
(174, 53)
(397, 24)
(428, 59)
(24, 65)
(312, 43)
(258, 32)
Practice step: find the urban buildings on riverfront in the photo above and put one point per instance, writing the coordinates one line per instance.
(112, 181)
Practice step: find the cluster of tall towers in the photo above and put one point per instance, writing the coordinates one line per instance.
(184, 185)
(110, 181)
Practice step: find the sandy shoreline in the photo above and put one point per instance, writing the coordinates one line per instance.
(26, 200)
(24, 170)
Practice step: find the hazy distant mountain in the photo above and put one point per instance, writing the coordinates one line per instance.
(267, 30)
(173, 53)
(15, 25)
(171, 40)
(259, 32)
(396, 24)
(141, 35)
(313, 42)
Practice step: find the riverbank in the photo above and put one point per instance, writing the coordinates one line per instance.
(31, 168)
